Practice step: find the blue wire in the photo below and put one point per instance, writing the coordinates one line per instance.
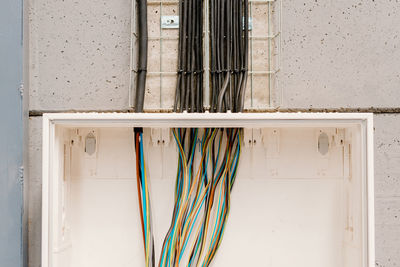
(143, 187)
(191, 228)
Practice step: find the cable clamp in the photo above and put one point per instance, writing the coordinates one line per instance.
(198, 71)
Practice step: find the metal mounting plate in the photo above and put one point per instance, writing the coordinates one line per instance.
(170, 22)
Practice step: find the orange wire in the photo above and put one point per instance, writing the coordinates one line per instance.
(138, 187)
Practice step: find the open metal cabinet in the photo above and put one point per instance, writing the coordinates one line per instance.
(304, 194)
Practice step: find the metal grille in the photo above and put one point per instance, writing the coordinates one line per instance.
(264, 55)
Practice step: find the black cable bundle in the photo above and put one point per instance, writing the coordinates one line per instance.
(189, 88)
(229, 23)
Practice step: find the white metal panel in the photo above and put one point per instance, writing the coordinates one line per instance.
(297, 195)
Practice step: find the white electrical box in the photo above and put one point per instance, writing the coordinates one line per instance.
(304, 192)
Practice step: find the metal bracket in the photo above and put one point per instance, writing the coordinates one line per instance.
(170, 22)
(339, 137)
(160, 136)
(252, 137)
(250, 23)
(248, 137)
(257, 136)
(165, 136)
(155, 134)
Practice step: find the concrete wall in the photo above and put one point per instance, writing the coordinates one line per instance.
(336, 55)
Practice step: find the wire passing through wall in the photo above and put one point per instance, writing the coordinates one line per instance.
(229, 38)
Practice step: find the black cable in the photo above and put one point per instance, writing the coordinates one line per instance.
(213, 64)
(142, 52)
(180, 65)
(192, 54)
(228, 54)
(241, 52)
(246, 56)
(218, 51)
(236, 52)
(199, 58)
(189, 87)
(184, 54)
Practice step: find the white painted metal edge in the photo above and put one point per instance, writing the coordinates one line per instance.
(45, 190)
(199, 119)
(194, 116)
(370, 190)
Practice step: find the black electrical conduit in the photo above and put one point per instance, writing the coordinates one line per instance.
(142, 52)
(228, 54)
(229, 48)
(245, 62)
(189, 86)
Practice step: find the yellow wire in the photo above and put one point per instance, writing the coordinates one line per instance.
(147, 215)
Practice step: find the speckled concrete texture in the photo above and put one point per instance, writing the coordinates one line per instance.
(340, 54)
(35, 191)
(387, 155)
(79, 54)
(387, 189)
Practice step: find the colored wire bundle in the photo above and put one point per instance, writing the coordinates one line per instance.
(229, 23)
(141, 175)
(204, 179)
(193, 237)
(144, 199)
(189, 88)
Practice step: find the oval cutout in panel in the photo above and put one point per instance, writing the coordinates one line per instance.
(323, 144)
(90, 144)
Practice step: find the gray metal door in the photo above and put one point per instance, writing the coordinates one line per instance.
(12, 248)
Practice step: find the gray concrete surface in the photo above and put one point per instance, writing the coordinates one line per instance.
(35, 191)
(80, 54)
(387, 189)
(336, 55)
(340, 54)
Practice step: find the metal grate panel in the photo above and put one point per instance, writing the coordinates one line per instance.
(264, 60)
